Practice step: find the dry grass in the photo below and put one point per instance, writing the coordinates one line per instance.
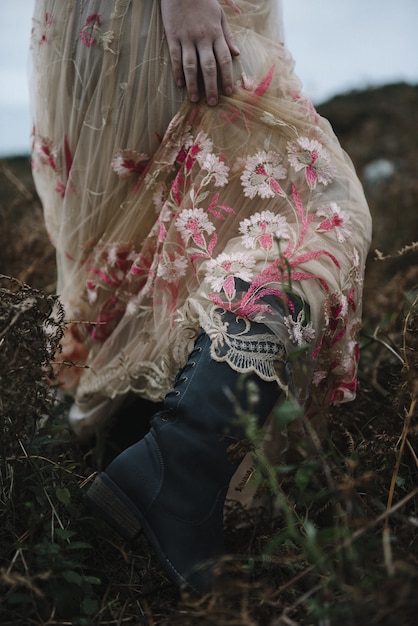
(343, 546)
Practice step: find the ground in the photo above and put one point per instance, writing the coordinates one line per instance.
(343, 547)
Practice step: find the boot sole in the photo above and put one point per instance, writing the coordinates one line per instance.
(109, 503)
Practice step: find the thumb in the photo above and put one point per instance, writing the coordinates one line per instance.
(229, 38)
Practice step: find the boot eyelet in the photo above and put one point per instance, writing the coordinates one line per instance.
(183, 379)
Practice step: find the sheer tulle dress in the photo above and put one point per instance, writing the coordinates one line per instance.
(166, 214)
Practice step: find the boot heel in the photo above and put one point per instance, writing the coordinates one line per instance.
(105, 501)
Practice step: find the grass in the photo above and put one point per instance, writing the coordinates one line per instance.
(338, 545)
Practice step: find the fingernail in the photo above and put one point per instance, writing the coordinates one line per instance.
(194, 97)
(212, 102)
(228, 90)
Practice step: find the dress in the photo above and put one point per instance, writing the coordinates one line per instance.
(165, 213)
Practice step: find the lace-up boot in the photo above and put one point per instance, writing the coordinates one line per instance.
(172, 484)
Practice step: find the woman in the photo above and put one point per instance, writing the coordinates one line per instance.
(207, 225)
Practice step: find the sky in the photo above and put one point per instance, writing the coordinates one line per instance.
(338, 45)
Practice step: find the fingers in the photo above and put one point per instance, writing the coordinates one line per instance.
(201, 47)
(209, 66)
(214, 62)
(191, 72)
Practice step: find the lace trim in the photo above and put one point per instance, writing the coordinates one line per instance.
(246, 347)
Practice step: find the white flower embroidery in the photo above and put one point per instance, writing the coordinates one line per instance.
(335, 219)
(172, 267)
(318, 377)
(299, 333)
(222, 271)
(262, 228)
(205, 146)
(159, 197)
(354, 256)
(261, 174)
(192, 223)
(215, 168)
(91, 290)
(310, 155)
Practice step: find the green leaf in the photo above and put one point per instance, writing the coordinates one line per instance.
(90, 605)
(63, 495)
(64, 533)
(303, 476)
(93, 580)
(72, 577)
(287, 413)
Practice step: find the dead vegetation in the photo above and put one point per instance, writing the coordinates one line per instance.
(342, 547)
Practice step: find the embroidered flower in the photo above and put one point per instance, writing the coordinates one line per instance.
(91, 25)
(198, 151)
(249, 83)
(127, 162)
(354, 257)
(336, 307)
(310, 155)
(105, 39)
(91, 290)
(261, 174)
(132, 307)
(43, 27)
(262, 228)
(222, 271)
(299, 333)
(193, 223)
(335, 219)
(216, 169)
(44, 150)
(177, 140)
(159, 197)
(205, 145)
(172, 267)
(111, 268)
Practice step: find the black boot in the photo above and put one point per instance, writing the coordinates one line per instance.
(131, 423)
(172, 484)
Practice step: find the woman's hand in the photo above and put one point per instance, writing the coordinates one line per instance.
(200, 42)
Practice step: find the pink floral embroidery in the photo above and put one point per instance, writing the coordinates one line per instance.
(222, 271)
(127, 162)
(60, 188)
(91, 25)
(262, 171)
(112, 266)
(310, 155)
(262, 228)
(336, 310)
(43, 27)
(44, 151)
(254, 85)
(193, 223)
(335, 220)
